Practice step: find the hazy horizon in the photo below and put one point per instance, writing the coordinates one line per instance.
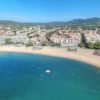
(48, 21)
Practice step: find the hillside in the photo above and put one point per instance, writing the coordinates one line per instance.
(84, 23)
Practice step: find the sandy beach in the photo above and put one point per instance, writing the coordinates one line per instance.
(84, 55)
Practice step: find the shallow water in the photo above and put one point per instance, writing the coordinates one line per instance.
(24, 77)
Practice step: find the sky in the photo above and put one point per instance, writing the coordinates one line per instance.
(48, 10)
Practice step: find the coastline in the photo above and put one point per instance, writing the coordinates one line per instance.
(83, 55)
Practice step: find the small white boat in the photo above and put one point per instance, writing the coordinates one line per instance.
(48, 71)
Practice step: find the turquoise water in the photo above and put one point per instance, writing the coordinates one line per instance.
(23, 77)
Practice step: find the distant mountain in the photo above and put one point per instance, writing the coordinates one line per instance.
(85, 21)
(14, 23)
(77, 22)
(7, 22)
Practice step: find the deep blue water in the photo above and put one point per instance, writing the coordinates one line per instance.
(23, 77)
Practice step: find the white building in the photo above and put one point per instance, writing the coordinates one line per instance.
(14, 39)
(92, 37)
(65, 39)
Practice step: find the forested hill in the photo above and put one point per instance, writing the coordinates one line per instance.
(90, 22)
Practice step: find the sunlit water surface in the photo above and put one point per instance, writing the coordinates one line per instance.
(35, 77)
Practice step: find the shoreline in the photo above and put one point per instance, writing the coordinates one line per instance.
(83, 55)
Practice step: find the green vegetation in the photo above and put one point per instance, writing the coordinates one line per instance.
(83, 41)
(45, 43)
(90, 23)
(97, 45)
(49, 34)
(14, 32)
(90, 45)
(29, 43)
(8, 41)
(81, 45)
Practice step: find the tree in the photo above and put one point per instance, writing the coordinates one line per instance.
(83, 39)
(81, 45)
(90, 45)
(49, 34)
(29, 43)
(44, 43)
(8, 41)
(97, 45)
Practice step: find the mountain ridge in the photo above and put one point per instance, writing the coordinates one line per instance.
(94, 20)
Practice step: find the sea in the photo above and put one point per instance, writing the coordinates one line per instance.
(38, 77)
